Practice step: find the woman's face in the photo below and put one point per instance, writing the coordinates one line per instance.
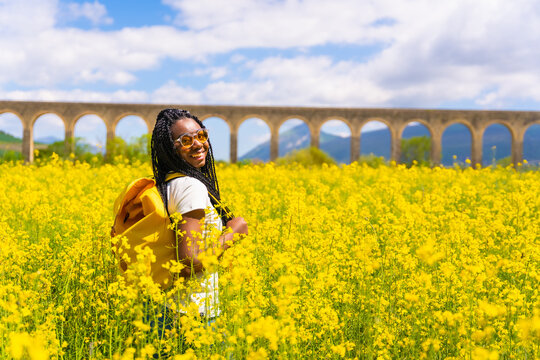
(195, 155)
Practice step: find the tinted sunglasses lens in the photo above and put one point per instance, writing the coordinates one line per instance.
(202, 135)
(186, 140)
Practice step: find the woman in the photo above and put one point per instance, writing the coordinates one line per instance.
(181, 150)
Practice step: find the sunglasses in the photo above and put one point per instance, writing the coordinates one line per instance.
(186, 139)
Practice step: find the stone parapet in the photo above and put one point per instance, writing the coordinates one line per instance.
(436, 121)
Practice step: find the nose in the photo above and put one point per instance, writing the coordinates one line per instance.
(196, 143)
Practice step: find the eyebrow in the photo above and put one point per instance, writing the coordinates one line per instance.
(188, 132)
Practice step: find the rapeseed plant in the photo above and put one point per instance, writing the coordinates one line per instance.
(341, 262)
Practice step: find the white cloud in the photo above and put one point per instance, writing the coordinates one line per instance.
(26, 18)
(173, 93)
(214, 72)
(92, 130)
(316, 81)
(256, 122)
(460, 49)
(289, 124)
(11, 124)
(282, 23)
(49, 125)
(373, 125)
(259, 139)
(120, 96)
(89, 122)
(237, 58)
(49, 120)
(95, 12)
(336, 127)
(334, 124)
(41, 53)
(433, 52)
(311, 81)
(130, 127)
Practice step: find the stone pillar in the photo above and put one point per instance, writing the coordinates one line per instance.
(110, 139)
(315, 139)
(395, 151)
(476, 147)
(28, 144)
(234, 146)
(517, 146)
(355, 147)
(274, 144)
(69, 141)
(436, 148)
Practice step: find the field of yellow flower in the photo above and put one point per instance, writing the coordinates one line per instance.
(341, 262)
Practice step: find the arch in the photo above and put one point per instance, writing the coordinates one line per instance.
(293, 117)
(456, 141)
(130, 127)
(504, 123)
(11, 123)
(381, 120)
(403, 134)
(11, 112)
(255, 116)
(293, 136)
(412, 147)
(459, 121)
(334, 118)
(72, 124)
(254, 139)
(11, 138)
(220, 137)
(130, 115)
(335, 140)
(434, 120)
(92, 132)
(42, 113)
(48, 129)
(215, 115)
(376, 139)
(265, 119)
(496, 143)
(531, 144)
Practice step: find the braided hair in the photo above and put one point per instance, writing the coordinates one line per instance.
(165, 160)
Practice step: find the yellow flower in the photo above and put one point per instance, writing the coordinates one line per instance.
(449, 257)
(484, 354)
(23, 345)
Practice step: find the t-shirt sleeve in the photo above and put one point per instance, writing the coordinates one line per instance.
(187, 194)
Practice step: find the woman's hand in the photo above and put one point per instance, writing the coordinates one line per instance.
(188, 254)
(238, 225)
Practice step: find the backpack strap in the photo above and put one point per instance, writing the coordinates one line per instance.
(222, 210)
(171, 176)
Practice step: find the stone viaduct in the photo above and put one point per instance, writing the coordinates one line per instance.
(436, 122)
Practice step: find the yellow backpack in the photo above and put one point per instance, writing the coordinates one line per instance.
(141, 218)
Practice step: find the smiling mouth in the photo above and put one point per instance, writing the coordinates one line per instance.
(198, 155)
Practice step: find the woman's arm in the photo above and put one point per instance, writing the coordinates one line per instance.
(238, 226)
(188, 248)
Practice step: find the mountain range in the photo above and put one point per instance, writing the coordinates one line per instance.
(456, 141)
(8, 138)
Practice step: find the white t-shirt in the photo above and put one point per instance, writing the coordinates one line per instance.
(184, 195)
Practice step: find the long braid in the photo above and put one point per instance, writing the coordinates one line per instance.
(165, 159)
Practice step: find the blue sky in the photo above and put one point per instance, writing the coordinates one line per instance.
(459, 54)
